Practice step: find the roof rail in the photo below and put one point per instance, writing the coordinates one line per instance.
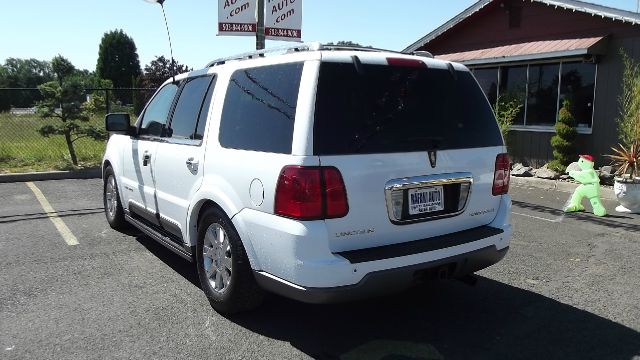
(311, 46)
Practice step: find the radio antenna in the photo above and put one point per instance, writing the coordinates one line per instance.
(166, 24)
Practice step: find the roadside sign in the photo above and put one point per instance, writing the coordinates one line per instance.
(237, 17)
(283, 20)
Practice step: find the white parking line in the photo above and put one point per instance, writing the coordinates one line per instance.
(64, 231)
(539, 218)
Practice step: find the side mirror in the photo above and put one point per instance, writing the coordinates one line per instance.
(118, 123)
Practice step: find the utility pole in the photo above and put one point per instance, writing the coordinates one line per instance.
(260, 27)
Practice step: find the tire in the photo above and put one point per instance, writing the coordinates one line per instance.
(112, 204)
(223, 267)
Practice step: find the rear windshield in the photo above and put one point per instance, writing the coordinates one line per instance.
(368, 109)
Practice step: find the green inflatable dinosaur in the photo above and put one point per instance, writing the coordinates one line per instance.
(590, 187)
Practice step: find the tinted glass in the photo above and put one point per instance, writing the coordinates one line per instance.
(488, 80)
(204, 112)
(577, 85)
(542, 103)
(155, 116)
(260, 108)
(185, 116)
(386, 109)
(513, 85)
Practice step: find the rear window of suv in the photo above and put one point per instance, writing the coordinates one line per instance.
(366, 109)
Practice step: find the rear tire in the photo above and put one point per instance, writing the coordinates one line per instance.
(223, 267)
(112, 204)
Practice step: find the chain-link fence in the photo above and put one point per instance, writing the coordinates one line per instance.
(24, 148)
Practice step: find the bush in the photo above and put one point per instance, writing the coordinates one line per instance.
(563, 142)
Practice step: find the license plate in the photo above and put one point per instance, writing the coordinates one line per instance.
(424, 200)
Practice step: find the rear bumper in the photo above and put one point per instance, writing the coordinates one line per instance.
(386, 281)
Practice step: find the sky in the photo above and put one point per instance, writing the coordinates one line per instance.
(42, 29)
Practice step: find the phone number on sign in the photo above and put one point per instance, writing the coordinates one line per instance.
(237, 27)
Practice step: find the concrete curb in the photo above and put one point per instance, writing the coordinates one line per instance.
(90, 173)
(605, 193)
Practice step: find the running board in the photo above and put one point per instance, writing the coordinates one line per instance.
(162, 239)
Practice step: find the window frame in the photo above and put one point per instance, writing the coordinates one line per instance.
(183, 84)
(140, 119)
(560, 62)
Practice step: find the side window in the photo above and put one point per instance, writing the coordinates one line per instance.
(260, 108)
(190, 102)
(155, 116)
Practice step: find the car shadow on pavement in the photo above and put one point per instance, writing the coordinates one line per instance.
(445, 320)
(44, 215)
(610, 221)
(178, 264)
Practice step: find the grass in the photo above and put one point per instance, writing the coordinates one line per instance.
(23, 149)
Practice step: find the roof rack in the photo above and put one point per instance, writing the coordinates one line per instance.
(261, 53)
(311, 46)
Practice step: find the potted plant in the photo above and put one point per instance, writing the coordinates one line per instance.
(627, 183)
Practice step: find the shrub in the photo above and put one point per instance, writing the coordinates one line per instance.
(563, 142)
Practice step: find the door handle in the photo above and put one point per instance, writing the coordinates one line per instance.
(146, 157)
(192, 164)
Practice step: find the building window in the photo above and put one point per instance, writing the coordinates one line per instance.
(542, 95)
(513, 85)
(578, 85)
(542, 88)
(488, 80)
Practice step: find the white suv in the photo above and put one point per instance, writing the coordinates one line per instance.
(320, 173)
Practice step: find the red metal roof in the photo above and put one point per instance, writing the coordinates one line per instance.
(528, 50)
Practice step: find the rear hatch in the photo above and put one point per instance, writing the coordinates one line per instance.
(416, 146)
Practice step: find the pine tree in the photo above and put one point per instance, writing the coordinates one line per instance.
(564, 142)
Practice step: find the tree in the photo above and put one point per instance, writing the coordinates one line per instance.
(118, 61)
(159, 70)
(22, 73)
(629, 102)
(63, 100)
(564, 141)
(347, 43)
(506, 110)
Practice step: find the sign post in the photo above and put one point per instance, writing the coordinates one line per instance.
(260, 31)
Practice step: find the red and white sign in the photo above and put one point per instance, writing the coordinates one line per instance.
(237, 17)
(283, 20)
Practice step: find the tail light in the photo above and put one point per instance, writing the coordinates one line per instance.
(311, 193)
(501, 175)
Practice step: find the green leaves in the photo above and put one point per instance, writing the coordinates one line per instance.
(563, 142)
(629, 102)
(64, 100)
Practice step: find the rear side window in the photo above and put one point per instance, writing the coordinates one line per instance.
(260, 108)
(387, 109)
(189, 106)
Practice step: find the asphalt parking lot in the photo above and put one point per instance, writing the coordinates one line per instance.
(72, 288)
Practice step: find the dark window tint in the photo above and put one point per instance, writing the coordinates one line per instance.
(542, 103)
(385, 109)
(260, 108)
(155, 116)
(185, 116)
(513, 85)
(488, 80)
(204, 112)
(577, 85)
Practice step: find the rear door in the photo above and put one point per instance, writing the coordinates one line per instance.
(416, 147)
